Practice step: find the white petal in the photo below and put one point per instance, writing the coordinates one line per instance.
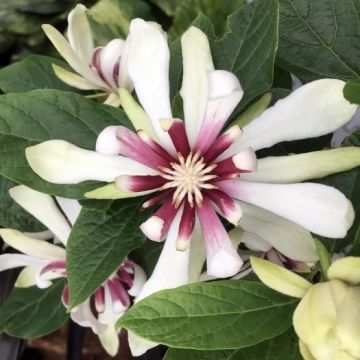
(279, 278)
(60, 162)
(107, 142)
(252, 241)
(84, 316)
(124, 80)
(43, 207)
(297, 168)
(73, 79)
(320, 209)
(171, 270)
(27, 277)
(111, 191)
(315, 109)
(71, 57)
(139, 280)
(11, 261)
(197, 253)
(197, 62)
(33, 247)
(110, 340)
(113, 100)
(148, 66)
(41, 235)
(70, 207)
(79, 33)
(346, 269)
(285, 236)
(224, 94)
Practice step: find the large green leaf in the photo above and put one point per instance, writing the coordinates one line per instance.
(98, 244)
(34, 72)
(216, 11)
(282, 347)
(320, 39)
(32, 312)
(57, 115)
(110, 19)
(352, 91)
(248, 48)
(211, 316)
(11, 214)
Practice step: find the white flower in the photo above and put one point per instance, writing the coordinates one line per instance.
(101, 68)
(199, 171)
(44, 262)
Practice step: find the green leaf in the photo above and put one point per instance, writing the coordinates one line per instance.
(282, 347)
(319, 39)
(216, 11)
(352, 91)
(32, 312)
(34, 72)
(98, 244)
(248, 48)
(57, 115)
(211, 316)
(11, 214)
(110, 19)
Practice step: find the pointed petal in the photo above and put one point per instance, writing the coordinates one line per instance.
(110, 340)
(176, 129)
(27, 277)
(73, 79)
(197, 253)
(60, 162)
(301, 167)
(111, 191)
(135, 113)
(224, 94)
(279, 278)
(222, 259)
(315, 109)
(79, 33)
(186, 227)
(71, 57)
(285, 236)
(124, 80)
(321, 209)
(139, 345)
(346, 269)
(148, 66)
(139, 183)
(251, 240)
(33, 247)
(197, 62)
(43, 208)
(70, 207)
(11, 261)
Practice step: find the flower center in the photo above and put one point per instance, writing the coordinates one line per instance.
(189, 176)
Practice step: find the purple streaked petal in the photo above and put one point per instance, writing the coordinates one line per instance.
(132, 146)
(177, 132)
(139, 183)
(321, 209)
(163, 195)
(222, 258)
(223, 142)
(125, 277)
(100, 299)
(119, 296)
(65, 296)
(186, 227)
(228, 207)
(155, 146)
(224, 94)
(58, 266)
(156, 227)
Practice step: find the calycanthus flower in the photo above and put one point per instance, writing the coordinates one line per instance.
(44, 262)
(99, 68)
(327, 319)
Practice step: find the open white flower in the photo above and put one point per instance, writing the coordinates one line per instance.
(101, 68)
(199, 171)
(44, 262)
